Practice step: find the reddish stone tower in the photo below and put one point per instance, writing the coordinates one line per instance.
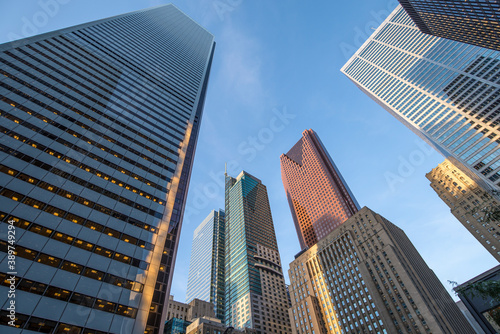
(318, 196)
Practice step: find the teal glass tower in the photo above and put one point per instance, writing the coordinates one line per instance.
(206, 266)
(255, 291)
(98, 131)
(447, 92)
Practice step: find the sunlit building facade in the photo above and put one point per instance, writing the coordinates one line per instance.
(99, 124)
(317, 194)
(475, 22)
(206, 267)
(255, 290)
(446, 92)
(476, 208)
(367, 277)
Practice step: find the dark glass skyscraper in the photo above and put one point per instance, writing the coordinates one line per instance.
(475, 22)
(319, 198)
(206, 266)
(256, 295)
(98, 135)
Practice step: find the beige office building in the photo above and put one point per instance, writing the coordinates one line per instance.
(195, 309)
(367, 277)
(470, 203)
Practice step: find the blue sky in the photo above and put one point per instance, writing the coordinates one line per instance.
(276, 72)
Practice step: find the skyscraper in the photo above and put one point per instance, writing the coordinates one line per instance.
(447, 92)
(474, 22)
(98, 135)
(367, 277)
(206, 267)
(476, 208)
(318, 196)
(256, 295)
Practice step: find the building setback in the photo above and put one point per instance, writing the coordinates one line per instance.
(447, 92)
(366, 276)
(468, 21)
(206, 267)
(255, 291)
(318, 196)
(99, 124)
(476, 208)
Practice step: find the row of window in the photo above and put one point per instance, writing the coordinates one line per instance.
(34, 324)
(141, 134)
(77, 149)
(69, 296)
(18, 197)
(76, 268)
(71, 217)
(81, 85)
(181, 99)
(184, 71)
(87, 152)
(85, 126)
(79, 53)
(72, 196)
(67, 239)
(74, 162)
(115, 91)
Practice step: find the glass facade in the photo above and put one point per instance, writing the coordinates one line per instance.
(206, 267)
(98, 134)
(475, 22)
(176, 326)
(255, 289)
(446, 92)
(308, 174)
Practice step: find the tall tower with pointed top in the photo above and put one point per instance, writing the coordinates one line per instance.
(318, 196)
